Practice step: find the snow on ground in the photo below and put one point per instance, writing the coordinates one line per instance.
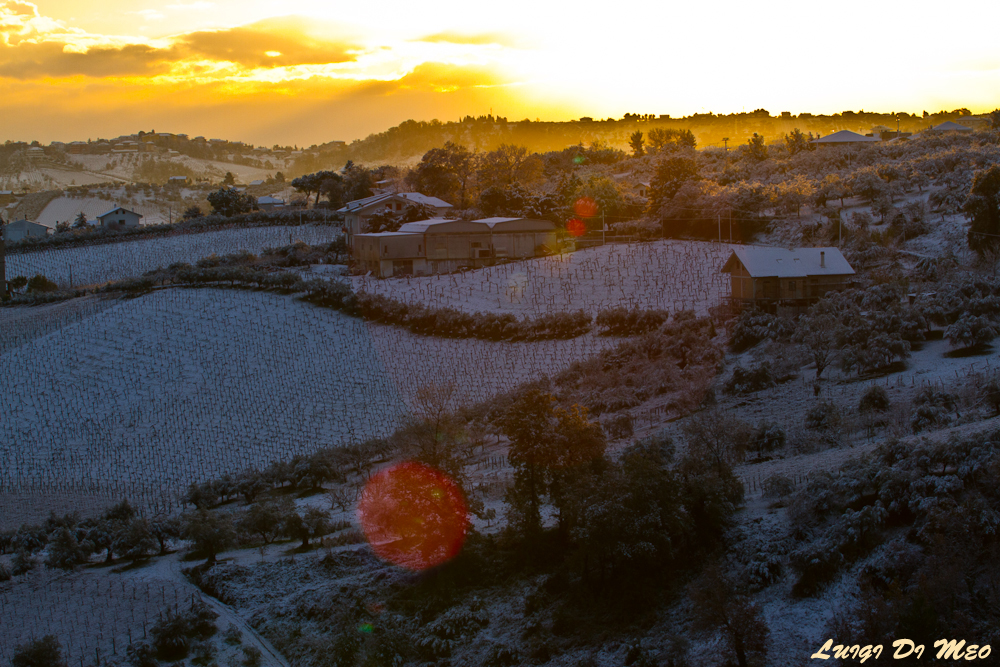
(100, 263)
(668, 275)
(65, 209)
(183, 385)
(22, 324)
(98, 612)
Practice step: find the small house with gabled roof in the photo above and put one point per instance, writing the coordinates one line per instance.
(949, 126)
(843, 138)
(440, 245)
(119, 217)
(22, 229)
(769, 276)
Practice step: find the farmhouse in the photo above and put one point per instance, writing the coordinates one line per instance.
(357, 212)
(268, 203)
(772, 276)
(949, 126)
(843, 138)
(119, 216)
(20, 229)
(439, 245)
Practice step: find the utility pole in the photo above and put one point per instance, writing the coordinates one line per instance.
(719, 220)
(725, 142)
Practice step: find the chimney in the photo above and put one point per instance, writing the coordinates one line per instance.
(822, 259)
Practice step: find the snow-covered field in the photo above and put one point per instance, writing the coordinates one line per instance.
(667, 275)
(97, 264)
(178, 386)
(93, 615)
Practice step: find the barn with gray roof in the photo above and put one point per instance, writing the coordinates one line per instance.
(766, 276)
(440, 245)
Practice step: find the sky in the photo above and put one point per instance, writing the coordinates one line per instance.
(305, 71)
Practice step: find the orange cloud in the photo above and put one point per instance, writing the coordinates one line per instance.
(452, 37)
(52, 59)
(274, 43)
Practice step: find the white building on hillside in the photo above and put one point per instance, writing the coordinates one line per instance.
(120, 217)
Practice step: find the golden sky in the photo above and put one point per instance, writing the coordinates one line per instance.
(302, 71)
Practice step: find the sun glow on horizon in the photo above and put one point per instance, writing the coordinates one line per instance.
(384, 65)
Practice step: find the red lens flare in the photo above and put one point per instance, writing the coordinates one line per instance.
(413, 516)
(576, 227)
(585, 207)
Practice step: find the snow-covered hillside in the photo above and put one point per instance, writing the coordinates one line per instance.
(184, 385)
(90, 265)
(667, 275)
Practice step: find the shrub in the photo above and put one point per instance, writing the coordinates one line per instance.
(824, 416)
(991, 395)
(140, 654)
(44, 652)
(252, 656)
(933, 409)
(970, 331)
(746, 381)
(232, 635)
(622, 321)
(5, 573)
(876, 399)
(203, 654)
(173, 635)
(619, 426)
(40, 283)
(767, 437)
(777, 486)
(23, 563)
(750, 328)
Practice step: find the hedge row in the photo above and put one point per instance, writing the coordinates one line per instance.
(444, 322)
(623, 321)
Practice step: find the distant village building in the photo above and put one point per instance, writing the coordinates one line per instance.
(259, 181)
(771, 276)
(357, 212)
(843, 138)
(35, 152)
(6, 197)
(949, 126)
(178, 180)
(643, 190)
(121, 217)
(269, 203)
(440, 245)
(20, 229)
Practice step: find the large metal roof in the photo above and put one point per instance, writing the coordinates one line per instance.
(764, 262)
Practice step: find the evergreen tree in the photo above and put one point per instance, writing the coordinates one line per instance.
(636, 143)
(983, 209)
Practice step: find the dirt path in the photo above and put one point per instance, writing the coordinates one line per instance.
(169, 568)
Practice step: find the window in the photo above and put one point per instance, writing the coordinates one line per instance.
(419, 249)
(791, 285)
(385, 250)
